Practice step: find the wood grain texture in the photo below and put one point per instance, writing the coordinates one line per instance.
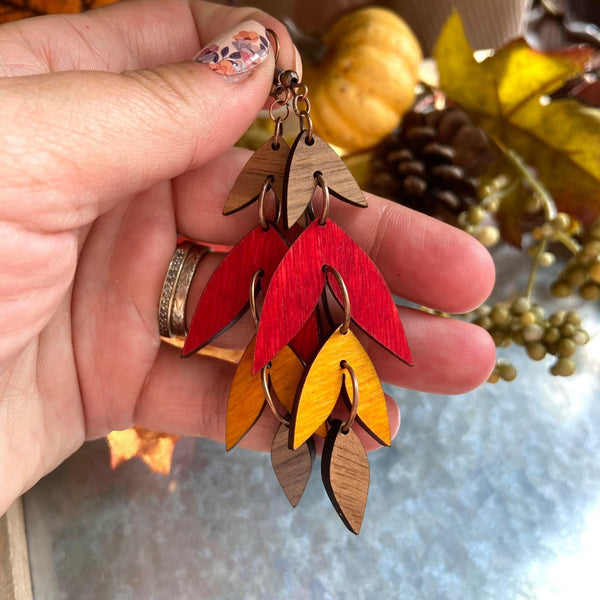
(292, 467)
(303, 161)
(307, 341)
(15, 577)
(246, 397)
(225, 297)
(345, 473)
(299, 279)
(322, 383)
(264, 162)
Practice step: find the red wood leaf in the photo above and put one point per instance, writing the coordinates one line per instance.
(296, 287)
(225, 297)
(371, 303)
(307, 341)
(299, 279)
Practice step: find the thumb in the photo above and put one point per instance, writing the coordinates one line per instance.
(76, 142)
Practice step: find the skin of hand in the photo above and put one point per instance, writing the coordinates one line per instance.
(112, 141)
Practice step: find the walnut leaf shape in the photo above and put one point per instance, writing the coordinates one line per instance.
(246, 397)
(304, 161)
(267, 160)
(322, 382)
(345, 473)
(292, 467)
(225, 297)
(299, 279)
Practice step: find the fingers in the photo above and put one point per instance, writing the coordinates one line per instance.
(422, 259)
(126, 35)
(450, 356)
(190, 397)
(94, 138)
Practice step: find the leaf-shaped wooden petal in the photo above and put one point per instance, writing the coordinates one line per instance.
(345, 474)
(299, 279)
(321, 385)
(304, 160)
(264, 162)
(292, 298)
(371, 303)
(246, 397)
(307, 341)
(225, 297)
(292, 467)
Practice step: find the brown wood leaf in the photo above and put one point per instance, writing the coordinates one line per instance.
(292, 467)
(304, 160)
(345, 473)
(264, 162)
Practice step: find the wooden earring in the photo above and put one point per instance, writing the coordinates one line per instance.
(303, 363)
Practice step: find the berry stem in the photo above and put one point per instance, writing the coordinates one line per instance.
(535, 263)
(568, 242)
(548, 205)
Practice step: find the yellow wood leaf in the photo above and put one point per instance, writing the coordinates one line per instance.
(322, 385)
(246, 397)
(13, 10)
(506, 94)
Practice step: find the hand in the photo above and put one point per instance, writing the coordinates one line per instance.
(105, 155)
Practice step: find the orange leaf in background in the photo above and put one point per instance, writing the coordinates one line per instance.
(155, 449)
(508, 96)
(13, 10)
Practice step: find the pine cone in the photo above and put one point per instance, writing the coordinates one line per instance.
(431, 161)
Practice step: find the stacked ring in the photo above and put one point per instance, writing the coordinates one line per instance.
(176, 287)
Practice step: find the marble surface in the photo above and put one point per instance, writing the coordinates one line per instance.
(494, 494)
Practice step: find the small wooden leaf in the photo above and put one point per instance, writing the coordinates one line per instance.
(320, 388)
(345, 474)
(225, 297)
(303, 162)
(292, 467)
(264, 162)
(246, 397)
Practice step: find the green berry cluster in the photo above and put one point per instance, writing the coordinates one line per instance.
(472, 221)
(525, 324)
(582, 272)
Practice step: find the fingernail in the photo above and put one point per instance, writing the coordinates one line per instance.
(237, 51)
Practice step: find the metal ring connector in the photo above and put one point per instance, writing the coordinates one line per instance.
(320, 181)
(346, 298)
(266, 186)
(354, 410)
(252, 297)
(267, 392)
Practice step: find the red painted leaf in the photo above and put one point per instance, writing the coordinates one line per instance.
(295, 290)
(225, 297)
(307, 341)
(299, 279)
(371, 303)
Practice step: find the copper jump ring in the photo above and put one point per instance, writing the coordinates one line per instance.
(252, 296)
(346, 426)
(320, 181)
(266, 186)
(265, 386)
(346, 298)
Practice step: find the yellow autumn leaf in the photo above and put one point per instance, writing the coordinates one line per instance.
(507, 95)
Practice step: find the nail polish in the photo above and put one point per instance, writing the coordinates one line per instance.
(236, 51)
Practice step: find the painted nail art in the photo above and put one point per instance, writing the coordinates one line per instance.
(237, 51)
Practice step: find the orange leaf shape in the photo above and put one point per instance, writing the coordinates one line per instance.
(322, 383)
(247, 399)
